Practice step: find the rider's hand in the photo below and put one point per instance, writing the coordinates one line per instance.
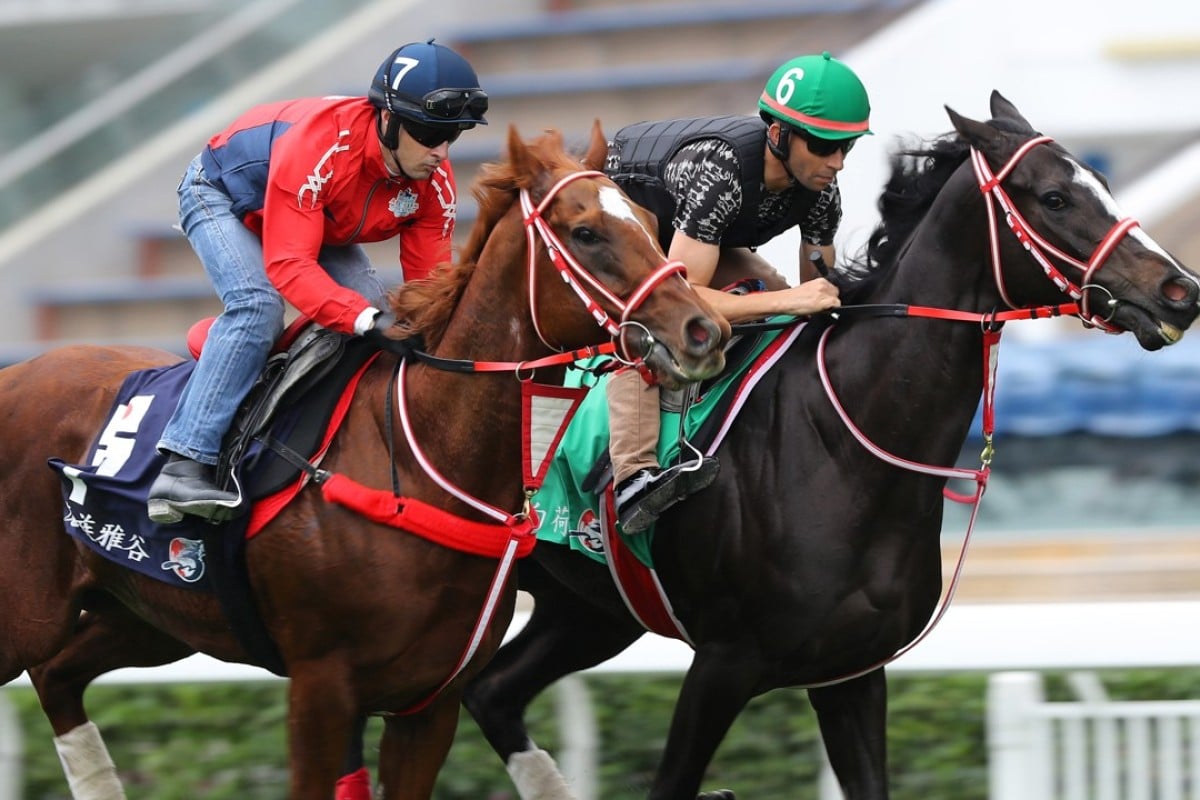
(812, 297)
(377, 333)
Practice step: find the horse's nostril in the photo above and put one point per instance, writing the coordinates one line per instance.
(1178, 291)
(700, 332)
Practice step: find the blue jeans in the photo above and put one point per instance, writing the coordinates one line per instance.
(241, 338)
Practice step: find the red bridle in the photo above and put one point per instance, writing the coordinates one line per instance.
(1036, 244)
(582, 282)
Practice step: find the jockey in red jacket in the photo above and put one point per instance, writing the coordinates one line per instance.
(325, 183)
(276, 207)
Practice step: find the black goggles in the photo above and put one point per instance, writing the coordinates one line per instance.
(430, 135)
(826, 147)
(451, 104)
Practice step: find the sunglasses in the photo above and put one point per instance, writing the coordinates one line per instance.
(825, 147)
(451, 103)
(431, 135)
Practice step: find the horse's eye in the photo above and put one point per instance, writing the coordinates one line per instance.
(584, 235)
(1055, 201)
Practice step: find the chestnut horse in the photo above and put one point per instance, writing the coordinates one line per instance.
(366, 618)
(815, 556)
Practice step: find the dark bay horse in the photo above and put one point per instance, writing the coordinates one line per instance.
(366, 618)
(812, 560)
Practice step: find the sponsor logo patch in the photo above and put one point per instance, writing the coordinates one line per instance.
(403, 204)
(186, 559)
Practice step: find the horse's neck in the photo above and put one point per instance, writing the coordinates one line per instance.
(469, 424)
(493, 320)
(945, 263)
(915, 382)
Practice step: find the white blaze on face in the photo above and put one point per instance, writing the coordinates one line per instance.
(1092, 184)
(616, 204)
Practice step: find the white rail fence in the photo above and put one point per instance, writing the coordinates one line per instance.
(11, 752)
(1089, 749)
(1092, 749)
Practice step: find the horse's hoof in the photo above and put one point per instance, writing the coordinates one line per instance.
(720, 794)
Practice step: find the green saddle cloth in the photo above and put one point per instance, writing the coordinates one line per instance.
(570, 514)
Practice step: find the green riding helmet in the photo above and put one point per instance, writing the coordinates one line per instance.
(820, 95)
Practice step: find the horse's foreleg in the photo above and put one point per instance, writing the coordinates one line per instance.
(563, 635)
(719, 683)
(355, 783)
(414, 747)
(103, 640)
(853, 720)
(322, 711)
(87, 766)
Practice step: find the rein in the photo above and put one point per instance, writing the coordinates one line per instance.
(519, 367)
(851, 313)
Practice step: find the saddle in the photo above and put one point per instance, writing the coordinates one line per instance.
(310, 363)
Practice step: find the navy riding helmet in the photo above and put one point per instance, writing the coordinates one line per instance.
(430, 85)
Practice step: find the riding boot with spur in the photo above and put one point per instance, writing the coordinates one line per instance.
(187, 487)
(646, 494)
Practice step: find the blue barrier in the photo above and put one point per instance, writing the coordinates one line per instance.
(1102, 385)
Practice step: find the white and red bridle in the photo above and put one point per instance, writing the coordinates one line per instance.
(1036, 244)
(585, 285)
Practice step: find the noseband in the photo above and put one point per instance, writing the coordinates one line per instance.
(574, 274)
(1036, 244)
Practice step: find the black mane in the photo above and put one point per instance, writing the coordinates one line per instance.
(918, 174)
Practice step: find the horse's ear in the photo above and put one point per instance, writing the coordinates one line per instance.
(1002, 108)
(597, 150)
(979, 135)
(519, 156)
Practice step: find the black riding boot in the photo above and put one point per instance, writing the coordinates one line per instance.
(187, 487)
(641, 497)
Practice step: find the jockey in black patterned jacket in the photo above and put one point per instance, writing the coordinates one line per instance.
(722, 186)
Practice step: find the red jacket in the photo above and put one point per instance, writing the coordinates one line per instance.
(307, 173)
